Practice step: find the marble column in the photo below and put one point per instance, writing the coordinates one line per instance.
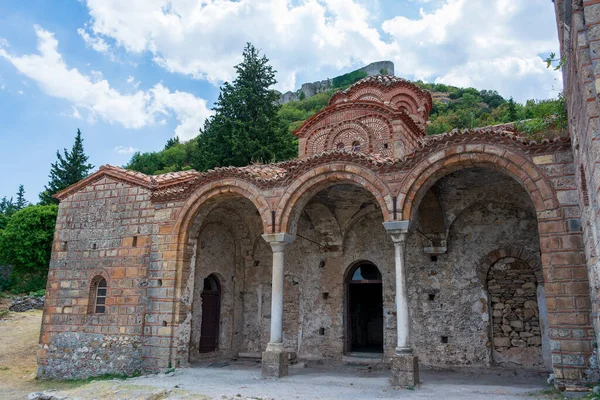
(405, 365)
(275, 359)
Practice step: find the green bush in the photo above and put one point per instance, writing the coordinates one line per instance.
(26, 245)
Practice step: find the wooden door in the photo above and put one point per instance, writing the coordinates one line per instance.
(211, 307)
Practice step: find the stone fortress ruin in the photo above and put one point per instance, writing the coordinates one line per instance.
(468, 249)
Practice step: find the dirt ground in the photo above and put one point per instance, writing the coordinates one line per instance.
(241, 380)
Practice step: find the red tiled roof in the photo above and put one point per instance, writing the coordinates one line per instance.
(173, 184)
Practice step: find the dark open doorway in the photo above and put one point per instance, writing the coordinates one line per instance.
(211, 308)
(364, 309)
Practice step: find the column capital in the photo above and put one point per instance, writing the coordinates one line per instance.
(398, 230)
(278, 241)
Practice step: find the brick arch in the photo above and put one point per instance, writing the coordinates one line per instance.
(311, 182)
(484, 265)
(406, 100)
(453, 158)
(353, 131)
(209, 196)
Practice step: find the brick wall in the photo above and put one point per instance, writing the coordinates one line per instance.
(95, 233)
(579, 36)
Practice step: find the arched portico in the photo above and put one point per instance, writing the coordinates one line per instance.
(557, 256)
(177, 241)
(455, 157)
(311, 182)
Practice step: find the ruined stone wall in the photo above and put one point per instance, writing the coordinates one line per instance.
(516, 331)
(449, 302)
(580, 47)
(311, 88)
(104, 229)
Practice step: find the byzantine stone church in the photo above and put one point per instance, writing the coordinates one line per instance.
(378, 243)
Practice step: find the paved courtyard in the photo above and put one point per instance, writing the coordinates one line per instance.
(242, 379)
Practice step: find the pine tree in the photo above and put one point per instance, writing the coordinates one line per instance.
(21, 202)
(69, 168)
(245, 126)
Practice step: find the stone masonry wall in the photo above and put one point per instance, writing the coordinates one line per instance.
(515, 312)
(102, 230)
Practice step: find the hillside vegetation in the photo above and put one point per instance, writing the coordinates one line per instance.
(453, 107)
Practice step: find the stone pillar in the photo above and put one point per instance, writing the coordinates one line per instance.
(275, 359)
(405, 365)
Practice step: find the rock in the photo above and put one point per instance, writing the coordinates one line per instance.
(517, 324)
(498, 306)
(502, 342)
(48, 395)
(529, 313)
(531, 304)
(27, 303)
(525, 334)
(534, 341)
(518, 343)
(506, 329)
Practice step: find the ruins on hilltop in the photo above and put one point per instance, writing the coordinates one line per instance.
(473, 248)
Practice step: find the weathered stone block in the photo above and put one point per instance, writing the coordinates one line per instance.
(405, 371)
(274, 364)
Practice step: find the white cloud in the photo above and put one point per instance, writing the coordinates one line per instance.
(20, 92)
(204, 38)
(488, 44)
(73, 114)
(125, 149)
(131, 80)
(101, 101)
(96, 43)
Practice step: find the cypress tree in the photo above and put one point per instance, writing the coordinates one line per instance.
(70, 168)
(245, 126)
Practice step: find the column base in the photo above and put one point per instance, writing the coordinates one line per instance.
(405, 371)
(275, 363)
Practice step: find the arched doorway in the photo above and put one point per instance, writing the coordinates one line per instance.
(364, 311)
(211, 309)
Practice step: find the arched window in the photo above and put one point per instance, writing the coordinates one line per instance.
(97, 304)
(356, 146)
(340, 146)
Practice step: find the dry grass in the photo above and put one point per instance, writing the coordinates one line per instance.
(19, 335)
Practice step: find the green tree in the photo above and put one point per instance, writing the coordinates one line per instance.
(172, 142)
(69, 168)
(21, 202)
(26, 244)
(512, 110)
(246, 125)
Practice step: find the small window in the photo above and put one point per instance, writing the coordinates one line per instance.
(340, 146)
(356, 146)
(98, 295)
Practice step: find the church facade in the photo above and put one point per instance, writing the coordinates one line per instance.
(378, 242)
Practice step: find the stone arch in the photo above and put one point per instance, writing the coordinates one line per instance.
(311, 182)
(453, 158)
(484, 265)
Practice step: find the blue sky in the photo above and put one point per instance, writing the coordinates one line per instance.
(132, 74)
